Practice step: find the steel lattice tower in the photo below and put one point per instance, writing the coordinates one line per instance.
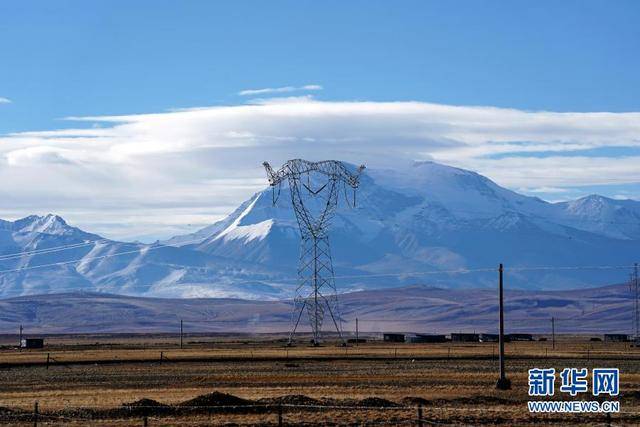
(315, 188)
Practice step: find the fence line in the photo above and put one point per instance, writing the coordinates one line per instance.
(308, 406)
(396, 407)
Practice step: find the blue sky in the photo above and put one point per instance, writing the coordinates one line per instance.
(128, 58)
(69, 58)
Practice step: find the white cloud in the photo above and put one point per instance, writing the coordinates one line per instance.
(543, 190)
(4, 100)
(38, 154)
(284, 89)
(155, 174)
(281, 100)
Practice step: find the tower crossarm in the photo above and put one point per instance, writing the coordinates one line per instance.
(297, 167)
(275, 177)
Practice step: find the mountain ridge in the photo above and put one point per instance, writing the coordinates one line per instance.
(418, 308)
(423, 218)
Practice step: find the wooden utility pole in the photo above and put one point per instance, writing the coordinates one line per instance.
(503, 382)
(20, 338)
(180, 334)
(553, 333)
(636, 287)
(357, 337)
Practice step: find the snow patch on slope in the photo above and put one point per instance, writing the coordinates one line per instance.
(246, 232)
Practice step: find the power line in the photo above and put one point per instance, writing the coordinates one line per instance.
(359, 276)
(491, 215)
(577, 267)
(139, 250)
(364, 276)
(52, 249)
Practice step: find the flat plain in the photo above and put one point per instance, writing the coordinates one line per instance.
(257, 380)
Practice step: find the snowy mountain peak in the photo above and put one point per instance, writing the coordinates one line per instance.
(428, 167)
(594, 205)
(592, 201)
(610, 217)
(49, 224)
(603, 208)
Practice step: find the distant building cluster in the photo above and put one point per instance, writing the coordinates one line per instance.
(453, 337)
(479, 337)
(616, 337)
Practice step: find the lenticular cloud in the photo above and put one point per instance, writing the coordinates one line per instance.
(167, 170)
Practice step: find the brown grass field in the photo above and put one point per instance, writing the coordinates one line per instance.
(89, 378)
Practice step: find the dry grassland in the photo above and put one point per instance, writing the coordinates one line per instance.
(454, 382)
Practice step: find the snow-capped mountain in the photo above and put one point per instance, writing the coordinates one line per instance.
(425, 218)
(46, 255)
(435, 217)
(601, 215)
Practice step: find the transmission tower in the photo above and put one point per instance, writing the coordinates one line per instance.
(315, 188)
(634, 284)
